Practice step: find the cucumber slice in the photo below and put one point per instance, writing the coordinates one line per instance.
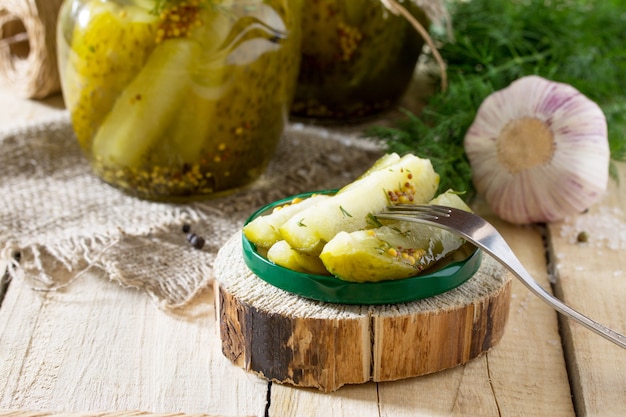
(382, 162)
(284, 255)
(363, 256)
(264, 230)
(411, 179)
(395, 251)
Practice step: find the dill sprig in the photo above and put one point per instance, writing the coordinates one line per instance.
(578, 42)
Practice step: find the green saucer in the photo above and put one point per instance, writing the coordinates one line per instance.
(447, 274)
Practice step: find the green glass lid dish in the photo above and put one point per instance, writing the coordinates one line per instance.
(446, 275)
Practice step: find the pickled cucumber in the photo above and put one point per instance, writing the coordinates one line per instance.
(395, 251)
(411, 179)
(382, 162)
(263, 231)
(186, 134)
(106, 48)
(284, 255)
(146, 106)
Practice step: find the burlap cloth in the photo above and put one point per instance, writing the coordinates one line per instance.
(57, 220)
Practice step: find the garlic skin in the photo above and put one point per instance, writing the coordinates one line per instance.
(539, 151)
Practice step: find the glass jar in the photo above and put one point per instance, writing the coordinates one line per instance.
(179, 99)
(357, 59)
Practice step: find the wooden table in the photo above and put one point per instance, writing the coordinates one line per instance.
(97, 348)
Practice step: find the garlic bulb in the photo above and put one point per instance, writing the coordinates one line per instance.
(539, 151)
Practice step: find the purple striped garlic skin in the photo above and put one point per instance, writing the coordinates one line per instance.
(539, 151)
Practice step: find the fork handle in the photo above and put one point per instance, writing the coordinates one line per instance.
(514, 265)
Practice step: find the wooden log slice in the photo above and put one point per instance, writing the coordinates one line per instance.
(288, 339)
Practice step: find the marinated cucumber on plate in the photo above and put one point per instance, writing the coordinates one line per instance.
(263, 231)
(409, 180)
(393, 251)
(340, 235)
(284, 255)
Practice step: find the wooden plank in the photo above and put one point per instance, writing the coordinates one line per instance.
(4, 279)
(591, 277)
(99, 347)
(27, 413)
(351, 400)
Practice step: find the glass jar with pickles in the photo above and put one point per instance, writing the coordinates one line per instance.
(358, 59)
(179, 99)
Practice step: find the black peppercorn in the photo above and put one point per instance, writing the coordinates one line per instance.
(195, 240)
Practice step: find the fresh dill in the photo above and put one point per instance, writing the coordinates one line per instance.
(578, 42)
(372, 221)
(344, 212)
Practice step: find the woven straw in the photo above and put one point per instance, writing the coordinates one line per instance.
(57, 220)
(28, 60)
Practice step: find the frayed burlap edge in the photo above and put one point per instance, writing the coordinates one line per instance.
(59, 221)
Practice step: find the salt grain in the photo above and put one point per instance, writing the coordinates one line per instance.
(606, 229)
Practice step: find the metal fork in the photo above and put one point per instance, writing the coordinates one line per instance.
(481, 233)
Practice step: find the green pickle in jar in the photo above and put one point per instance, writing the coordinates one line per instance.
(357, 59)
(179, 99)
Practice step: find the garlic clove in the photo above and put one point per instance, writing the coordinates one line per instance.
(539, 151)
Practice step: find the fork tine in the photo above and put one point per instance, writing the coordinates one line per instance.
(413, 207)
(415, 211)
(411, 216)
(420, 208)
